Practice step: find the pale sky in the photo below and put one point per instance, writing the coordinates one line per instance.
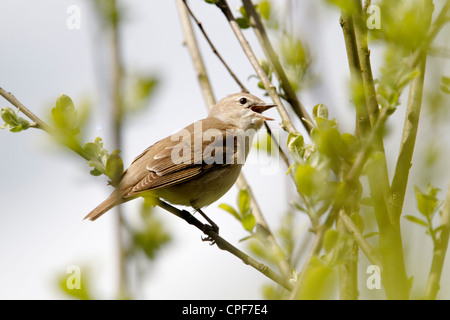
(45, 192)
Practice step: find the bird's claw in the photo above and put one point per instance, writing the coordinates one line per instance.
(207, 228)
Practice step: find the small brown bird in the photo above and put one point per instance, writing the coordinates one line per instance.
(199, 168)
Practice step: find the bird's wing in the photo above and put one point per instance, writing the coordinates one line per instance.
(177, 159)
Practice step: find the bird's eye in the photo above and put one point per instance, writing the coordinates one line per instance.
(243, 101)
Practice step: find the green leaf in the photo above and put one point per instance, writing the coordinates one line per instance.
(243, 22)
(93, 149)
(211, 1)
(320, 110)
(13, 121)
(248, 222)
(151, 238)
(264, 9)
(318, 282)
(305, 176)
(230, 210)
(330, 240)
(427, 202)
(445, 81)
(114, 167)
(296, 143)
(358, 221)
(243, 202)
(65, 116)
(9, 116)
(416, 220)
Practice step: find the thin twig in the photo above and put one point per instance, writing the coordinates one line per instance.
(439, 252)
(273, 59)
(200, 26)
(286, 120)
(40, 124)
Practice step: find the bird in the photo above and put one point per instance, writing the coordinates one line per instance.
(197, 165)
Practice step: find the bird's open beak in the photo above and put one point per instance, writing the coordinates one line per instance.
(260, 108)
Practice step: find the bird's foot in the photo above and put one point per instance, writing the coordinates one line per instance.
(208, 228)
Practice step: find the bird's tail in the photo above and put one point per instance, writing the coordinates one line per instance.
(113, 200)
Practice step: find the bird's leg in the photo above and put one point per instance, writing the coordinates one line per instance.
(214, 226)
(211, 227)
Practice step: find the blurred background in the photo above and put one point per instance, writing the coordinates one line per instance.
(46, 190)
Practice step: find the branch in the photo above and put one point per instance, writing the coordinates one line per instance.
(439, 251)
(271, 55)
(225, 245)
(286, 120)
(40, 124)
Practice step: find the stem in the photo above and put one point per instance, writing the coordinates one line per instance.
(364, 63)
(287, 122)
(214, 238)
(272, 57)
(400, 180)
(362, 117)
(439, 251)
(359, 238)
